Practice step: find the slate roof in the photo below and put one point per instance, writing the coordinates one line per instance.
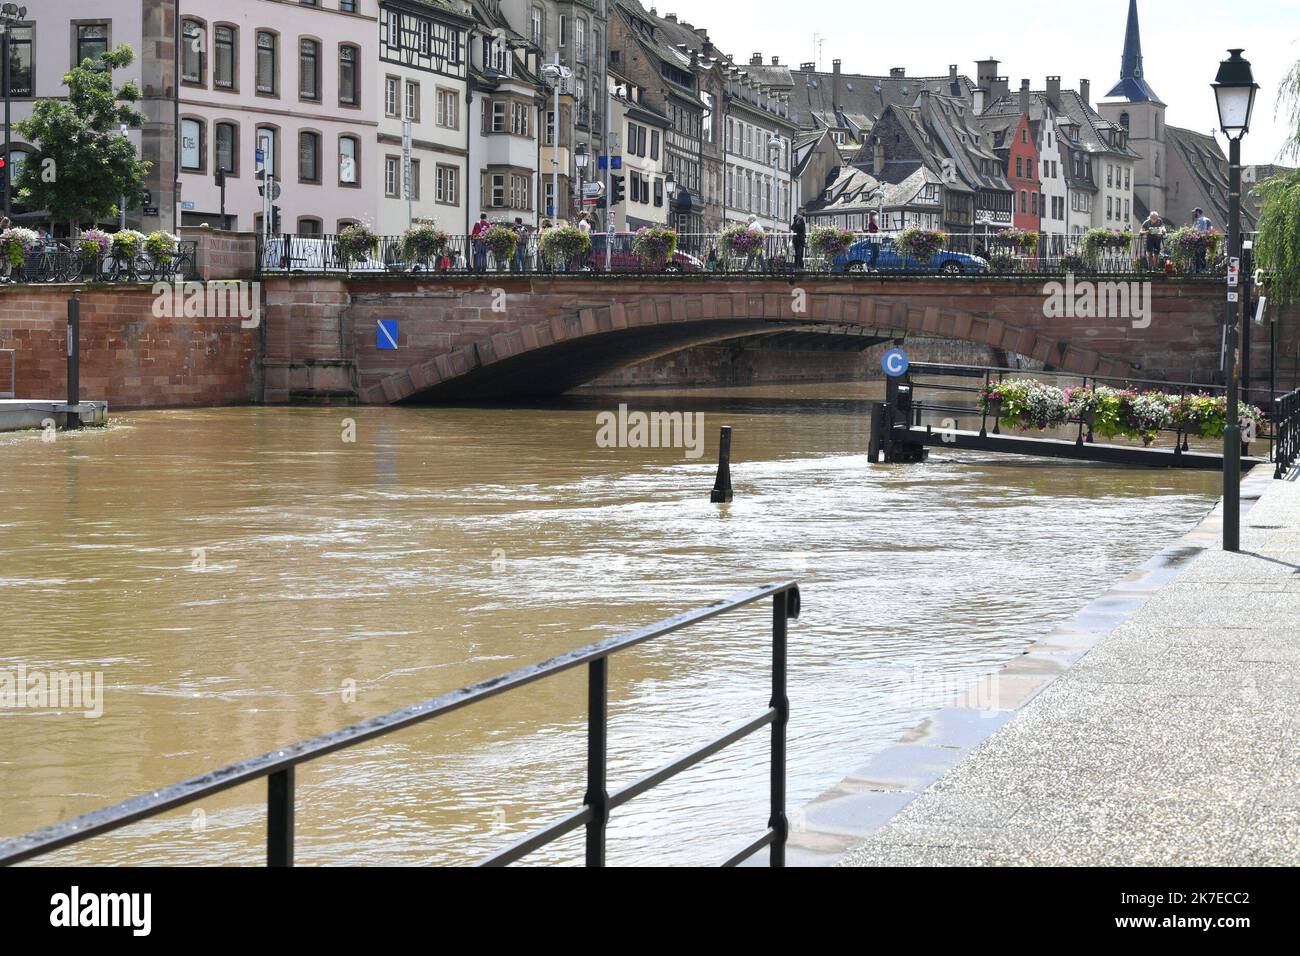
(1209, 170)
(1093, 127)
(863, 98)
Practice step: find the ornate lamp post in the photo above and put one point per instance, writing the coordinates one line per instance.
(1234, 91)
(580, 159)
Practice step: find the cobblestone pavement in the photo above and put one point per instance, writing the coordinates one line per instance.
(1172, 741)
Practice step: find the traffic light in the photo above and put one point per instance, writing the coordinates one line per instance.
(275, 220)
(618, 186)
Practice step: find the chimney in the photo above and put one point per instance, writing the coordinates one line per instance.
(670, 17)
(986, 73)
(898, 72)
(835, 88)
(807, 67)
(1085, 90)
(877, 158)
(952, 71)
(1001, 87)
(776, 61)
(1054, 92)
(1024, 97)
(756, 59)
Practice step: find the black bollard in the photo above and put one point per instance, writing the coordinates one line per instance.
(722, 486)
(72, 418)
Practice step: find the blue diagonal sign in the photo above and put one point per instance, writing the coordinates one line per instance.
(386, 334)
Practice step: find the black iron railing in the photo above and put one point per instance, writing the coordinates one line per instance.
(59, 261)
(1286, 432)
(278, 766)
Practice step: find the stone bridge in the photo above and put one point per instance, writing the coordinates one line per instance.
(497, 336)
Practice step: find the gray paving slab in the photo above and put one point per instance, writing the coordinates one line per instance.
(1166, 740)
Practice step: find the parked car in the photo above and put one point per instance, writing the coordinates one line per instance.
(309, 254)
(623, 259)
(892, 260)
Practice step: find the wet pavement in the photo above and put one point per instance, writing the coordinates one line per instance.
(1157, 728)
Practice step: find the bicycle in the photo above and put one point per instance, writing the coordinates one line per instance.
(50, 264)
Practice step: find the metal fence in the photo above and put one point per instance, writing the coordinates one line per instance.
(1286, 429)
(278, 766)
(963, 254)
(59, 261)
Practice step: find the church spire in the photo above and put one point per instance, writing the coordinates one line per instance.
(1132, 85)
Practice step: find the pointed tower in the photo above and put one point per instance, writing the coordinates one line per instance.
(1132, 84)
(1134, 105)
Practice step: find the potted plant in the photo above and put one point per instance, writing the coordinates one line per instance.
(827, 242)
(654, 245)
(501, 241)
(1002, 263)
(423, 244)
(16, 242)
(92, 246)
(737, 242)
(355, 243)
(1073, 262)
(921, 244)
(1186, 245)
(161, 247)
(564, 244)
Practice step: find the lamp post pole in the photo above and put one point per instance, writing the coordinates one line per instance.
(4, 51)
(1234, 93)
(1232, 429)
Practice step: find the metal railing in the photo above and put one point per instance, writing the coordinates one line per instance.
(58, 261)
(697, 252)
(278, 766)
(1286, 432)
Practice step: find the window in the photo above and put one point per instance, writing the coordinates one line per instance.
(425, 33)
(1024, 201)
(580, 40)
(1110, 175)
(20, 61)
(194, 52)
(225, 47)
(549, 139)
(520, 187)
(412, 101)
(564, 30)
(307, 226)
(519, 118)
(392, 96)
(537, 26)
(448, 185)
(92, 42)
(391, 166)
(1127, 180)
(192, 145)
(349, 160)
(1033, 204)
(308, 157)
(497, 191)
(349, 87)
(226, 137)
(498, 117)
(654, 144)
(267, 141)
(309, 70)
(659, 192)
(268, 63)
(394, 29)
(448, 109)
(1020, 172)
(413, 181)
(347, 6)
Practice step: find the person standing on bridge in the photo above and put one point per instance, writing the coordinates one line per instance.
(799, 229)
(478, 239)
(1153, 229)
(873, 231)
(1202, 225)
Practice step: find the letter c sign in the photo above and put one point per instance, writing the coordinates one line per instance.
(895, 363)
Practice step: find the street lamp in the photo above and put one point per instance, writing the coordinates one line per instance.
(580, 160)
(10, 15)
(1234, 91)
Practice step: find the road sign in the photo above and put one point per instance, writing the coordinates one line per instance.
(386, 335)
(618, 162)
(593, 189)
(895, 363)
(1234, 271)
(259, 155)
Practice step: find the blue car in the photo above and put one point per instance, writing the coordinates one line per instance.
(891, 260)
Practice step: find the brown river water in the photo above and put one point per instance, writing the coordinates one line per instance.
(235, 573)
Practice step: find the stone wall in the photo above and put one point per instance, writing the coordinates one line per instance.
(129, 357)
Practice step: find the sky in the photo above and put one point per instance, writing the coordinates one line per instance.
(1182, 44)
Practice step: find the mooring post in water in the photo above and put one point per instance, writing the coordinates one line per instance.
(722, 486)
(876, 443)
(72, 418)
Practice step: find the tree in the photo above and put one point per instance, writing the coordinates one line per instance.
(1277, 247)
(84, 166)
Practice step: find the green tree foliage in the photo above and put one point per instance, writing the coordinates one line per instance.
(1278, 245)
(84, 165)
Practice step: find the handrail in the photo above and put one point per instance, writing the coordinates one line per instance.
(1286, 431)
(278, 765)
